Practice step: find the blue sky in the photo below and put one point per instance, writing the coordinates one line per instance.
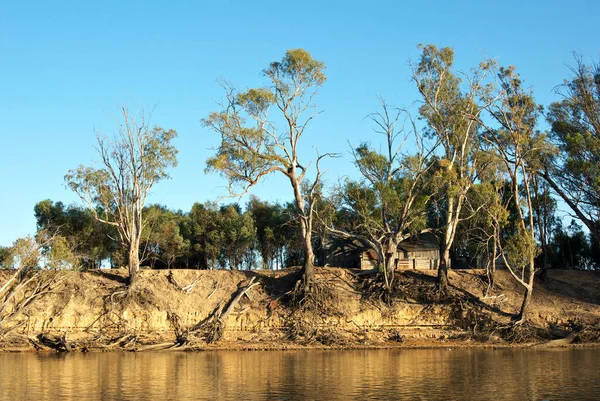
(66, 66)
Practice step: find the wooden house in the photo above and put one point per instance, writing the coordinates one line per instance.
(418, 252)
(352, 254)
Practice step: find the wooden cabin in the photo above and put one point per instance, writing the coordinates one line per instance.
(418, 252)
(352, 254)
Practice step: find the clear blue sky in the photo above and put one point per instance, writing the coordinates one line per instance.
(65, 66)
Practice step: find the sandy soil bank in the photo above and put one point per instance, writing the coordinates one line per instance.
(175, 310)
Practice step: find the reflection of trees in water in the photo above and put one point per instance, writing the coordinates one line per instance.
(386, 374)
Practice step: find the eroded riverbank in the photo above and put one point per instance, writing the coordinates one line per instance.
(172, 310)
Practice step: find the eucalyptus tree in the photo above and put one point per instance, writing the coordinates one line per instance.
(544, 206)
(162, 240)
(90, 240)
(387, 204)
(523, 151)
(131, 162)
(451, 110)
(206, 237)
(239, 234)
(271, 226)
(253, 145)
(575, 122)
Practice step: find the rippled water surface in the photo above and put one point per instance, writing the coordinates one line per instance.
(229, 375)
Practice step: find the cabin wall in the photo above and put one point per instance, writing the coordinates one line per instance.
(367, 262)
(418, 260)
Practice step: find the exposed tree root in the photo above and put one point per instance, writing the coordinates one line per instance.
(214, 325)
(315, 297)
(181, 334)
(306, 330)
(524, 332)
(374, 289)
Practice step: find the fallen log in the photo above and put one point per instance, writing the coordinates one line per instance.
(56, 342)
(561, 342)
(215, 325)
(156, 347)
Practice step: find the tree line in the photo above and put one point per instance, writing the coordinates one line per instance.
(261, 235)
(470, 164)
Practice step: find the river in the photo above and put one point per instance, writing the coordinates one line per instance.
(417, 374)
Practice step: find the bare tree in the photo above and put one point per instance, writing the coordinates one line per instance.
(35, 265)
(388, 204)
(132, 161)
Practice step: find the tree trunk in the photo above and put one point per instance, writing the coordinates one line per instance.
(133, 262)
(443, 269)
(389, 253)
(522, 316)
(308, 269)
(452, 214)
(493, 266)
(389, 271)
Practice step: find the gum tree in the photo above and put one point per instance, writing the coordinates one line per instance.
(131, 162)
(522, 150)
(255, 144)
(575, 122)
(450, 108)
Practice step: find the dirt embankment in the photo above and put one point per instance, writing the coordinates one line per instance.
(194, 310)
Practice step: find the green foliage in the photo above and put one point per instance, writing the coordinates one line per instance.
(239, 237)
(575, 122)
(520, 249)
(272, 229)
(571, 248)
(250, 145)
(298, 69)
(161, 238)
(88, 239)
(42, 251)
(4, 255)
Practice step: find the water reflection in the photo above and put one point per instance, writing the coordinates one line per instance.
(385, 374)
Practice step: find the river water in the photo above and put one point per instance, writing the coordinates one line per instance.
(428, 374)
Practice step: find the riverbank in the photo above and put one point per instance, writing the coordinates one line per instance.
(176, 310)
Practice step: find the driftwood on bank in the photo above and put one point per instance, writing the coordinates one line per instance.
(214, 326)
(561, 342)
(56, 342)
(186, 288)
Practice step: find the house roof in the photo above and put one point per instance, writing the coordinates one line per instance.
(337, 246)
(423, 242)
